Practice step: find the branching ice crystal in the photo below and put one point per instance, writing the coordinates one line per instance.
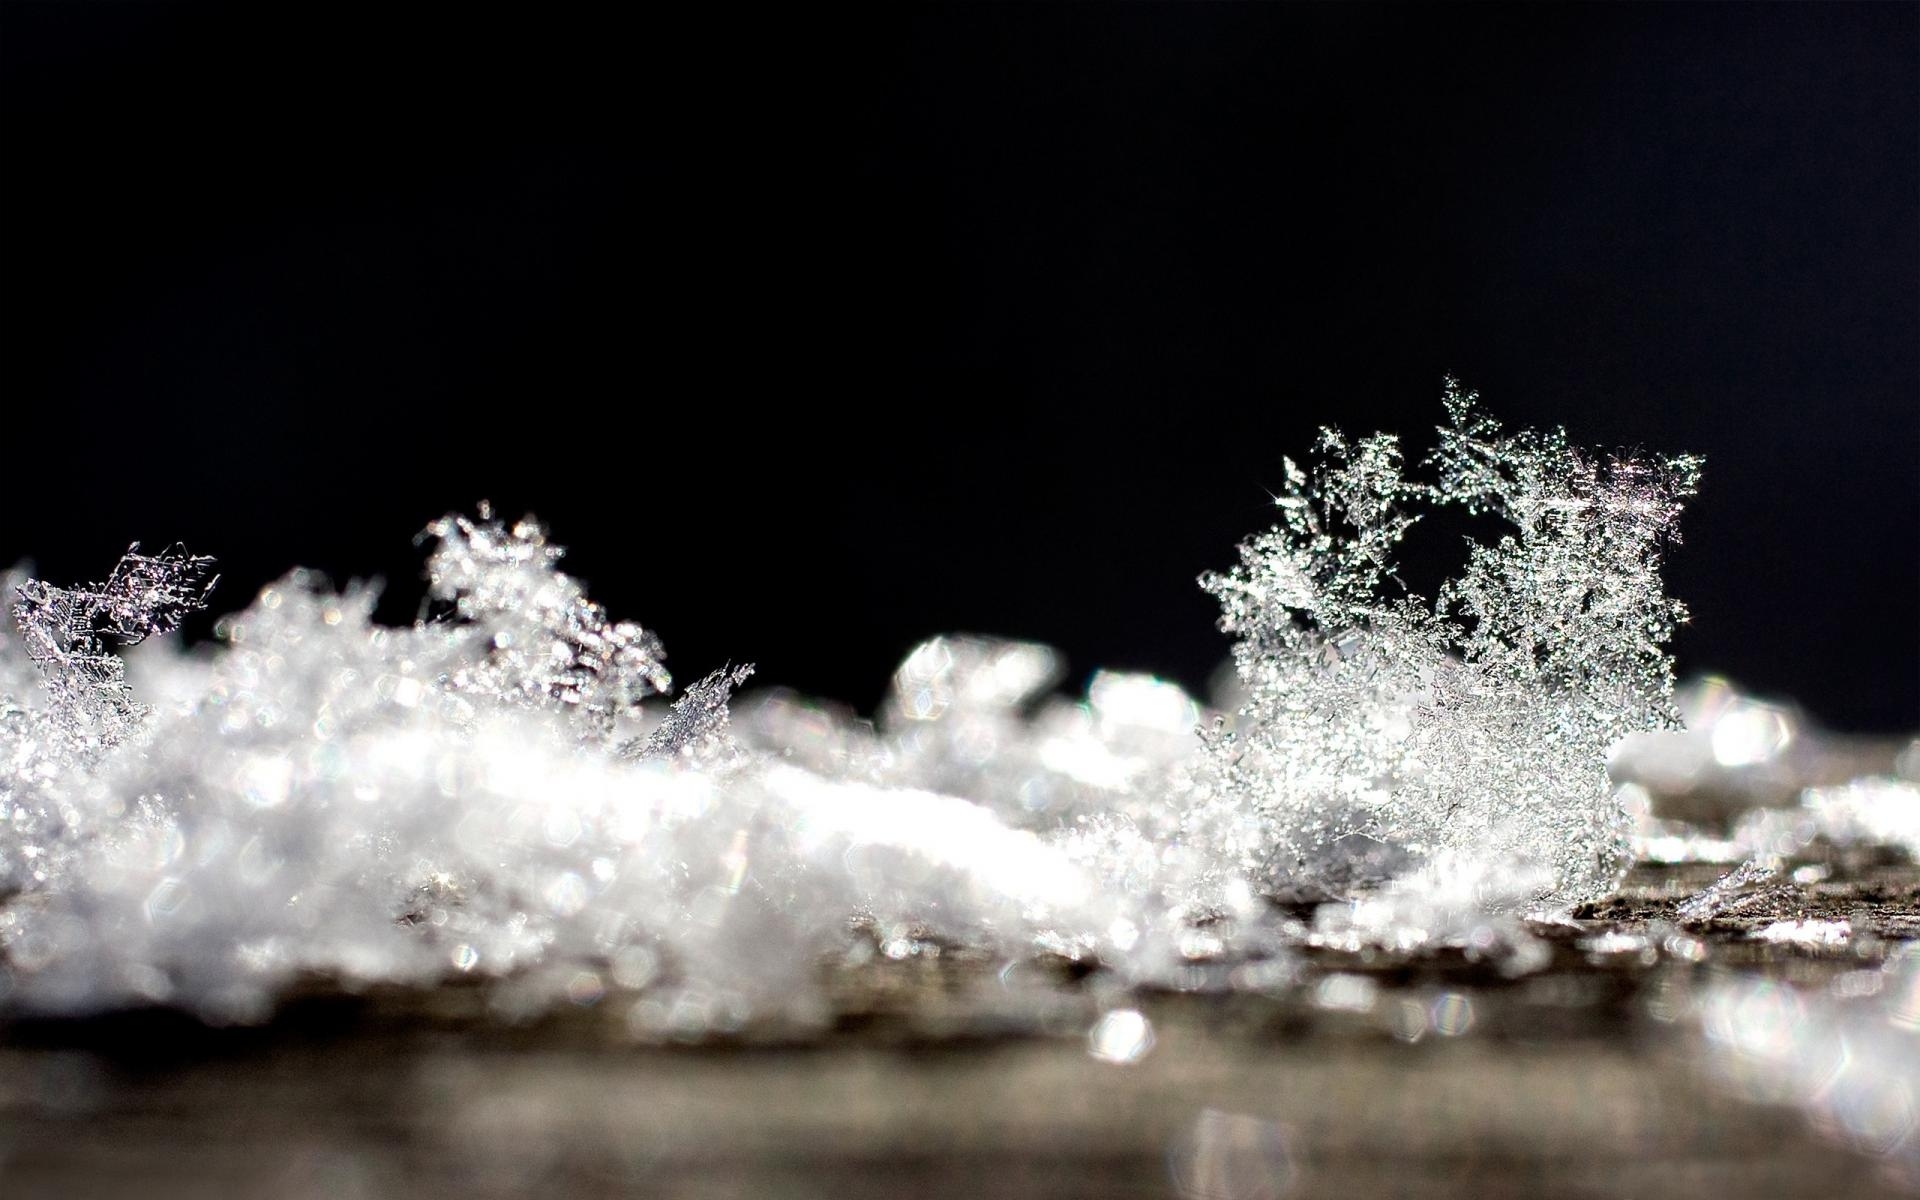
(488, 792)
(697, 725)
(325, 795)
(1728, 891)
(1381, 726)
(62, 652)
(66, 632)
(546, 643)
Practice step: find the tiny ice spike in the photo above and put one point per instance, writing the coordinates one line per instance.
(698, 722)
(1383, 729)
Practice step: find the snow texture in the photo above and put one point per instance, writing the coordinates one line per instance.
(500, 789)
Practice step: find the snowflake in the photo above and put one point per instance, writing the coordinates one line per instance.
(547, 644)
(67, 633)
(1382, 727)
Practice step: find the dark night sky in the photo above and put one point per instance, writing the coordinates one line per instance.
(816, 334)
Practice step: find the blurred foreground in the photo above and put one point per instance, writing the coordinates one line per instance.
(1369, 1075)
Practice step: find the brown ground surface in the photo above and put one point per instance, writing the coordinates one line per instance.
(1566, 1083)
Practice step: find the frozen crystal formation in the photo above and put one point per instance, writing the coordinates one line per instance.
(697, 725)
(1460, 901)
(545, 643)
(1730, 891)
(500, 790)
(67, 632)
(1106, 780)
(1384, 729)
(62, 656)
(481, 793)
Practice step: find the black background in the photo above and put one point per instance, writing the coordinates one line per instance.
(817, 333)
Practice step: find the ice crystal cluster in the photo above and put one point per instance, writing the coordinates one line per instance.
(482, 792)
(67, 632)
(1384, 727)
(501, 790)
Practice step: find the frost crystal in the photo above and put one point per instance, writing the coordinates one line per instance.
(325, 795)
(1381, 726)
(1728, 891)
(1448, 902)
(547, 644)
(498, 791)
(66, 632)
(697, 726)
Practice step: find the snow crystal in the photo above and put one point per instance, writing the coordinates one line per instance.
(328, 796)
(501, 791)
(66, 633)
(1462, 903)
(698, 723)
(546, 643)
(1382, 727)
(1808, 934)
(1730, 891)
